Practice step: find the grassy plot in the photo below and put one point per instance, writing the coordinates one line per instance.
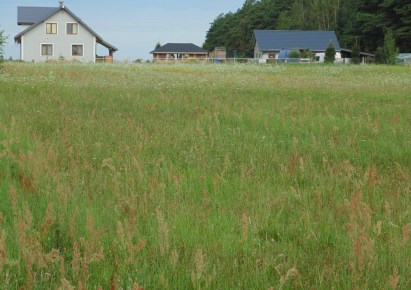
(218, 177)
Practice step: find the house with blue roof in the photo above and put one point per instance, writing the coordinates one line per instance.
(269, 43)
(56, 33)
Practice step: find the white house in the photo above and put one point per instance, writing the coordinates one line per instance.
(269, 43)
(56, 33)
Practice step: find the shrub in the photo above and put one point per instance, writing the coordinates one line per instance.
(380, 55)
(294, 54)
(355, 58)
(308, 54)
(330, 54)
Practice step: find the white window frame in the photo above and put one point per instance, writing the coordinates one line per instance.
(57, 28)
(78, 28)
(52, 49)
(71, 49)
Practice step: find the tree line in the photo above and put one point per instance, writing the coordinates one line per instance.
(357, 23)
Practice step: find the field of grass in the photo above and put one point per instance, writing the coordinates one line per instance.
(205, 177)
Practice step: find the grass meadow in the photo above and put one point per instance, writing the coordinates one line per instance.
(145, 176)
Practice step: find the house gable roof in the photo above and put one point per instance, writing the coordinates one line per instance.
(276, 40)
(32, 15)
(180, 48)
(35, 16)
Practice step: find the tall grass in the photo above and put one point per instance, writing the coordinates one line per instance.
(216, 177)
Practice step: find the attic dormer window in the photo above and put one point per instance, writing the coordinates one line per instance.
(72, 28)
(51, 28)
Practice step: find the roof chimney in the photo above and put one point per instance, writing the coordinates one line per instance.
(61, 4)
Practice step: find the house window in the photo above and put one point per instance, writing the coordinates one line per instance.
(47, 49)
(72, 28)
(51, 28)
(77, 50)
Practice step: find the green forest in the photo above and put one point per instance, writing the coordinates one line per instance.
(356, 22)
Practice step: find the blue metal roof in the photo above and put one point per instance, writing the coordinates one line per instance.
(179, 48)
(32, 15)
(276, 40)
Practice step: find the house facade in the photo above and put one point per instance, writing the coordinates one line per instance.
(179, 51)
(269, 43)
(57, 34)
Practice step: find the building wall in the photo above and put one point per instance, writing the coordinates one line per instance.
(62, 42)
(172, 56)
(218, 53)
(24, 27)
(274, 55)
(257, 52)
(270, 55)
(205, 55)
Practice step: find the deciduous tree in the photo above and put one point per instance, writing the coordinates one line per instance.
(390, 49)
(3, 39)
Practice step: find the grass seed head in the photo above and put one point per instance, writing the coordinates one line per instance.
(394, 279)
(162, 232)
(3, 240)
(406, 232)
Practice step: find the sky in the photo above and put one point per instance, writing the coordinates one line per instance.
(134, 27)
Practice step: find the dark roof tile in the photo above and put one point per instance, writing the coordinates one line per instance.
(179, 48)
(32, 15)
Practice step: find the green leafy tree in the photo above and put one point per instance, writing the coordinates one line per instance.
(158, 45)
(3, 39)
(308, 54)
(294, 54)
(368, 20)
(355, 58)
(390, 48)
(373, 17)
(329, 54)
(380, 55)
(396, 16)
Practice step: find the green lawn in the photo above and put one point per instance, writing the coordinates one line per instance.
(205, 176)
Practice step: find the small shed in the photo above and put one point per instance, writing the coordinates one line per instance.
(219, 52)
